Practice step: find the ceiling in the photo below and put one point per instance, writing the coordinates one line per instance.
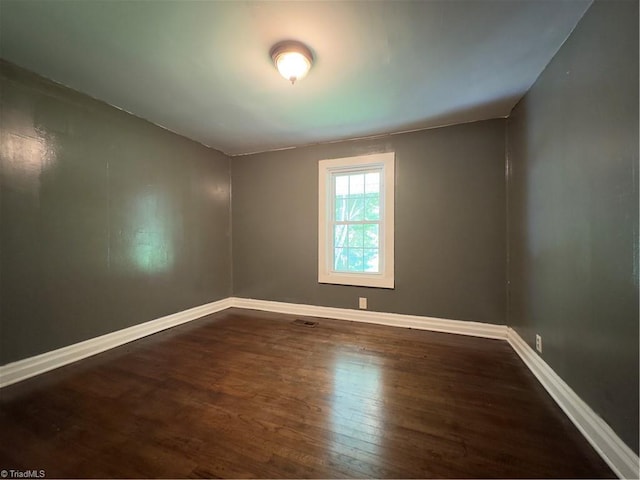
(202, 68)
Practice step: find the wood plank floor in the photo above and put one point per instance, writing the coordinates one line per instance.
(250, 394)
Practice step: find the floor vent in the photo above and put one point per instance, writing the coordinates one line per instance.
(304, 323)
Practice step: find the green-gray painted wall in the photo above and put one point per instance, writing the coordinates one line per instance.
(107, 220)
(450, 236)
(573, 213)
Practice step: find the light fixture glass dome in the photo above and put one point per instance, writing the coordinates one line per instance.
(292, 59)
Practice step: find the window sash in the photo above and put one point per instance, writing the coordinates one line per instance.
(332, 247)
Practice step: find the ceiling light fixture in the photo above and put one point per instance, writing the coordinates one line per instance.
(292, 59)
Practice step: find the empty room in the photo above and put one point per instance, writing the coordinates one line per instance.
(341, 239)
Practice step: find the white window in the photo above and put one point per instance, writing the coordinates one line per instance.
(355, 228)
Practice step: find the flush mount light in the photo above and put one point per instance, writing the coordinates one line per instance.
(292, 59)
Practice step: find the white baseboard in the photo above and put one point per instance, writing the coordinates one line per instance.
(32, 366)
(459, 327)
(29, 367)
(622, 460)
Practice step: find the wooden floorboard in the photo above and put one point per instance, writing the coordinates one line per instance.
(246, 394)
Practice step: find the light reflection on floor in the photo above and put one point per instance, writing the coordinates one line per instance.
(357, 411)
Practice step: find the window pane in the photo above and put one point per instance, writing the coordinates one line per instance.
(372, 207)
(342, 185)
(340, 260)
(341, 209)
(372, 182)
(340, 236)
(355, 260)
(356, 184)
(356, 208)
(371, 236)
(356, 235)
(370, 260)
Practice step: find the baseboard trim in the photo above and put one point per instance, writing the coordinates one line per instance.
(32, 366)
(622, 460)
(29, 367)
(460, 327)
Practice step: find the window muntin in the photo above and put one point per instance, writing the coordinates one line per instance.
(356, 220)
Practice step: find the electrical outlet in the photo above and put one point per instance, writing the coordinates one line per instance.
(362, 303)
(538, 343)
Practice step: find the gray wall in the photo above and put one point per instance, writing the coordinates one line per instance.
(573, 213)
(107, 220)
(449, 224)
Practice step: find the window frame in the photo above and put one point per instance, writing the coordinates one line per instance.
(326, 168)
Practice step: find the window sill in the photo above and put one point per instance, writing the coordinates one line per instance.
(374, 281)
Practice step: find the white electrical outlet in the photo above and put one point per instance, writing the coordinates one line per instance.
(538, 343)
(362, 303)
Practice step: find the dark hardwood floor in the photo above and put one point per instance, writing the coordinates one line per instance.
(250, 394)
